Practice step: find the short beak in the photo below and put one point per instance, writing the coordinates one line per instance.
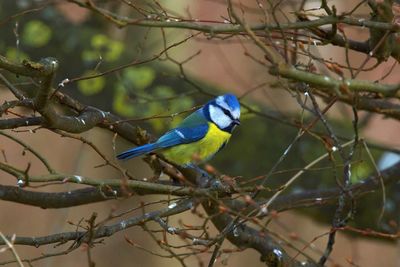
(237, 122)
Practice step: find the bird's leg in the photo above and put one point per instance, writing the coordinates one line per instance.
(172, 171)
(156, 165)
(203, 178)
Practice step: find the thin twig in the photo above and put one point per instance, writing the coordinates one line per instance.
(11, 247)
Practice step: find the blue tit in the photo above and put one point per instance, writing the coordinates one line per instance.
(199, 136)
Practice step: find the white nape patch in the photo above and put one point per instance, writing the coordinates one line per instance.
(219, 118)
(221, 101)
(179, 133)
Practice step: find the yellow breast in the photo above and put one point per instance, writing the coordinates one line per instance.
(198, 151)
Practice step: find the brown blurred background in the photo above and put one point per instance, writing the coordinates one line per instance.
(220, 64)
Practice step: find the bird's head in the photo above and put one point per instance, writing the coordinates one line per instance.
(224, 111)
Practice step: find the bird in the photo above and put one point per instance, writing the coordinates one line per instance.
(198, 137)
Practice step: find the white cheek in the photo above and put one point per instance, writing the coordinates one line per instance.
(219, 118)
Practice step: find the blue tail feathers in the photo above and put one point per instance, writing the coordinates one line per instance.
(138, 151)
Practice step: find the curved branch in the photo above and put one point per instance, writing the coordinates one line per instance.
(381, 106)
(332, 85)
(310, 198)
(21, 122)
(113, 185)
(220, 27)
(47, 200)
(27, 68)
(243, 236)
(30, 149)
(320, 197)
(103, 231)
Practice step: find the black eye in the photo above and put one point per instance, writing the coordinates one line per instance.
(226, 112)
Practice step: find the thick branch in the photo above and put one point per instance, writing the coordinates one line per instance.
(332, 85)
(48, 200)
(243, 236)
(122, 21)
(27, 68)
(103, 231)
(20, 122)
(109, 185)
(310, 198)
(381, 106)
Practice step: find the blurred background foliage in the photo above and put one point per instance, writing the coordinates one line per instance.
(158, 89)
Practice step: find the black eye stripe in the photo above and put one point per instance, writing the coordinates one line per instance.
(226, 112)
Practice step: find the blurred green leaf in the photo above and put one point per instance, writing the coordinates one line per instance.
(36, 33)
(360, 171)
(110, 50)
(163, 91)
(120, 104)
(14, 55)
(139, 77)
(90, 55)
(99, 41)
(248, 115)
(155, 108)
(115, 49)
(91, 86)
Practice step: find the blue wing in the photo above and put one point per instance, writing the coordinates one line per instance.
(177, 136)
(137, 151)
(182, 135)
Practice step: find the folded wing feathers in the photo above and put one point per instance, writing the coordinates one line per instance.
(182, 135)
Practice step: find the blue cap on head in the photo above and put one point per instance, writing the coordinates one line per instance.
(230, 102)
